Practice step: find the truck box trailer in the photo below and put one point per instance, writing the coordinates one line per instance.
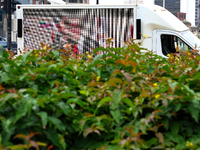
(87, 27)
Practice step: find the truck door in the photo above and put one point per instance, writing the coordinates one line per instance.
(166, 42)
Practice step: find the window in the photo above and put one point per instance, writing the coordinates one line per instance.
(75, 1)
(1, 15)
(2, 39)
(172, 44)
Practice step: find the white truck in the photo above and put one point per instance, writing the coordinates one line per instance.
(87, 27)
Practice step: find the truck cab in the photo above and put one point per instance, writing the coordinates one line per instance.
(167, 33)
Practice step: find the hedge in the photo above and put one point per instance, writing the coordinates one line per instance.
(122, 99)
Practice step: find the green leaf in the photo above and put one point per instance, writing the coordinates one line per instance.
(6, 124)
(62, 141)
(152, 141)
(166, 122)
(113, 55)
(97, 57)
(128, 102)
(116, 115)
(53, 68)
(0, 140)
(197, 76)
(44, 118)
(116, 50)
(56, 53)
(183, 78)
(65, 108)
(187, 90)
(166, 68)
(55, 138)
(150, 70)
(117, 96)
(99, 49)
(110, 61)
(24, 56)
(12, 63)
(7, 135)
(84, 92)
(6, 67)
(67, 95)
(177, 106)
(174, 126)
(75, 100)
(9, 96)
(58, 123)
(158, 147)
(104, 100)
(173, 85)
(194, 113)
(5, 54)
(174, 137)
(40, 69)
(21, 111)
(5, 77)
(29, 103)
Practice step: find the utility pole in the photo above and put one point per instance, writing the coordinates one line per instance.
(198, 16)
(11, 7)
(9, 25)
(163, 3)
(4, 5)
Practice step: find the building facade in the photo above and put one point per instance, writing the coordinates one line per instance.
(188, 7)
(139, 2)
(196, 12)
(77, 1)
(180, 6)
(160, 3)
(181, 16)
(172, 5)
(3, 19)
(133, 1)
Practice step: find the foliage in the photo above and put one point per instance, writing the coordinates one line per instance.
(123, 98)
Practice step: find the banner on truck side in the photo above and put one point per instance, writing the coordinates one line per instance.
(85, 29)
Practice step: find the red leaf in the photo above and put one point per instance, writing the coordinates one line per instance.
(34, 144)
(127, 76)
(115, 72)
(21, 136)
(123, 142)
(51, 146)
(87, 131)
(127, 58)
(97, 131)
(33, 134)
(132, 63)
(102, 148)
(42, 44)
(1, 87)
(160, 137)
(120, 61)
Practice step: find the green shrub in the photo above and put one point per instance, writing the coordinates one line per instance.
(122, 99)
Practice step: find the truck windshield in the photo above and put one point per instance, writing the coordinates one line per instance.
(191, 38)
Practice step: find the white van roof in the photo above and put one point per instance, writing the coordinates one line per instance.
(159, 18)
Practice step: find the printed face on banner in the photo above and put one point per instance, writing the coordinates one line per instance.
(85, 29)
